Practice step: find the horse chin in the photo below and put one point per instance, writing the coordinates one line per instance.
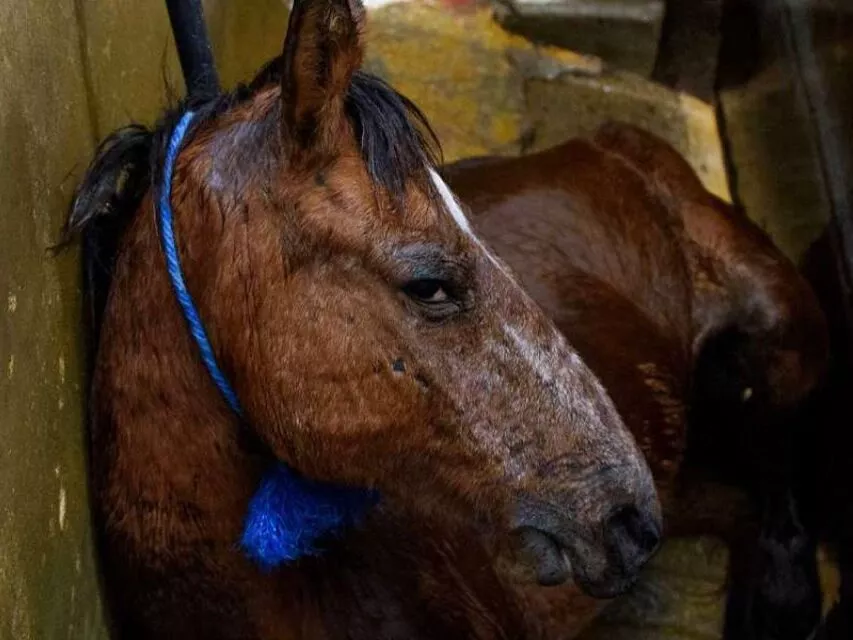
(605, 589)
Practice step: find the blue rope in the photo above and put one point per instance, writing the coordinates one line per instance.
(289, 514)
(176, 274)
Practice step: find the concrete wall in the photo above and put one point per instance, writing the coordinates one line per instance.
(772, 131)
(70, 71)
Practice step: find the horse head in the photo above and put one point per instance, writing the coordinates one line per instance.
(372, 339)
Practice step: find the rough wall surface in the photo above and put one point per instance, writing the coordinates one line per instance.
(48, 587)
(624, 33)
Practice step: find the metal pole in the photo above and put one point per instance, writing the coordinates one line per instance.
(193, 44)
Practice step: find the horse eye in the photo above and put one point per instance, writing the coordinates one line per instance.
(427, 291)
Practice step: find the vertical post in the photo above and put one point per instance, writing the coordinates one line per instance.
(193, 44)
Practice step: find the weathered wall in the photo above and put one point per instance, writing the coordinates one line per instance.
(47, 582)
(131, 59)
(625, 33)
(770, 124)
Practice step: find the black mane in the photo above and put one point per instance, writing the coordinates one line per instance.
(395, 137)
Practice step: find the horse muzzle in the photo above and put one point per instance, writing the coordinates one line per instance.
(603, 558)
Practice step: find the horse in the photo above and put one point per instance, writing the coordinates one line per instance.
(280, 276)
(707, 338)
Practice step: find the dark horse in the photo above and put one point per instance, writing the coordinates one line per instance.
(372, 340)
(706, 337)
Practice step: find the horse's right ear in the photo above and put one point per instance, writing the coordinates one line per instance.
(322, 49)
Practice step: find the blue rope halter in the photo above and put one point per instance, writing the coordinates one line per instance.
(288, 514)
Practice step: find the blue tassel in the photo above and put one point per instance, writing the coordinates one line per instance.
(289, 514)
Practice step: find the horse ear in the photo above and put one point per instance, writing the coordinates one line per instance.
(322, 49)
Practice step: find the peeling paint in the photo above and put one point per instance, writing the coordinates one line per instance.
(12, 303)
(63, 505)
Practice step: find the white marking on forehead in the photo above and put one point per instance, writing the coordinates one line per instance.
(451, 203)
(455, 210)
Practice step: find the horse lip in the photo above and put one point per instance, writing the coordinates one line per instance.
(554, 562)
(607, 590)
(546, 554)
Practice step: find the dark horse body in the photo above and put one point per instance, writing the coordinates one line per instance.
(469, 436)
(682, 305)
(706, 337)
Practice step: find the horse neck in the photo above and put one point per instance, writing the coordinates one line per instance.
(174, 435)
(758, 288)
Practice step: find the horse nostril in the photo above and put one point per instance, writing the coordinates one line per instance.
(634, 535)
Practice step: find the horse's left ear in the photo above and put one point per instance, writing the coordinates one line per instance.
(322, 49)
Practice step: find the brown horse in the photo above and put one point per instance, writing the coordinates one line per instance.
(680, 304)
(691, 317)
(372, 340)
